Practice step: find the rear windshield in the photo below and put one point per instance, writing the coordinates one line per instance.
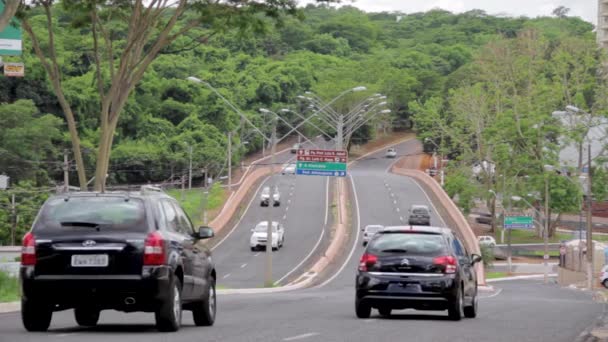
(263, 227)
(408, 243)
(373, 229)
(420, 211)
(92, 213)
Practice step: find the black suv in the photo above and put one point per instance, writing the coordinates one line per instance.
(132, 251)
(422, 268)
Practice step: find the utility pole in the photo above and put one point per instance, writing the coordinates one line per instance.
(229, 161)
(190, 168)
(183, 186)
(340, 135)
(546, 231)
(589, 225)
(66, 168)
(14, 219)
(268, 279)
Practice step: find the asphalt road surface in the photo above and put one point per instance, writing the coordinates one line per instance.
(524, 310)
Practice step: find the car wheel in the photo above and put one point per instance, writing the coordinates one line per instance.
(605, 283)
(204, 311)
(471, 311)
(282, 242)
(253, 249)
(86, 317)
(169, 314)
(385, 312)
(455, 307)
(363, 310)
(35, 316)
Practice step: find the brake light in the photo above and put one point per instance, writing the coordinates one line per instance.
(448, 262)
(154, 251)
(28, 250)
(367, 261)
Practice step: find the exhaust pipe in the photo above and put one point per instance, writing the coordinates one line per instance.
(129, 300)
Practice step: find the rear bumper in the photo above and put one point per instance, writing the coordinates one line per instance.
(404, 292)
(102, 291)
(419, 221)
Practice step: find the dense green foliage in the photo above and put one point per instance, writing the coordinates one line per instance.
(428, 64)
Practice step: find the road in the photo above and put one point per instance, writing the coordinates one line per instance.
(303, 213)
(524, 310)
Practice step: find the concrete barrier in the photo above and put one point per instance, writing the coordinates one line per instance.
(452, 213)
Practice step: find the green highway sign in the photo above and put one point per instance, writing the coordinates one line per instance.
(321, 166)
(10, 37)
(521, 222)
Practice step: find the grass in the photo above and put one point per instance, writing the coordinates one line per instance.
(193, 202)
(9, 288)
(553, 254)
(529, 236)
(493, 275)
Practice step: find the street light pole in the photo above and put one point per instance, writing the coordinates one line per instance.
(589, 225)
(268, 278)
(229, 161)
(190, 168)
(546, 231)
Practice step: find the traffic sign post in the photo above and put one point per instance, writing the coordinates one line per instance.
(328, 163)
(518, 222)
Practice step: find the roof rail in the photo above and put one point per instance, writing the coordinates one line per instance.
(150, 188)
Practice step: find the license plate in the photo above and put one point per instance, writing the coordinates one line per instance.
(90, 260)
(405, 287)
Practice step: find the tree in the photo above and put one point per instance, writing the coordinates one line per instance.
(561, 12)
(10, 8)
(120, 58)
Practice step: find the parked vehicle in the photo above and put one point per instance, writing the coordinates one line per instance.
(604, 276)
(259, 236)
(486, 240)
(369, 231)
(420, 215)
(391, 153)
(265, 197)
(422, 268)
(295, 148)
(129, 252)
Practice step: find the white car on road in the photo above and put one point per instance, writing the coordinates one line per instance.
(289, 169)
(265, 197)
(369, 231)
(259, 236)
(486, 240)
(391, 153)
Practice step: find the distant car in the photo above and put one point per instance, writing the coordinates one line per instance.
(289, 169)
(129, 252)
(391, 153)
(422, 268)
(265, 197)
(486, 240)
(369, 231)
(295, 148)
(420, 215)
(604, 276)
(260, 233)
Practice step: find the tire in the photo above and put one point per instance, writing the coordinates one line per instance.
(169, 314)
(362, 310)
(253, 249)
(86, 317)
(282, 242)
(385, 312)
(605, 283)
(204, 312)
(471, 311)
(455, 307)
(35, 316)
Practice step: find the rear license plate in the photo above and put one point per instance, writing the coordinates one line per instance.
(90, 260)
(404, 287)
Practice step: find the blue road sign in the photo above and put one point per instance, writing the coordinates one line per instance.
(321, 173)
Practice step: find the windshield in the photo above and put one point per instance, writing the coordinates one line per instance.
(263, 227)
(420, 211)
(408, 243)
(92, 212)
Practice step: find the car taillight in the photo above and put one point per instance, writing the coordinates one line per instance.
(367, 261)
(28, 250)
(448, 262)
(154, 251)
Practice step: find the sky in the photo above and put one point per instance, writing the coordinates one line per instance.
(586, 9)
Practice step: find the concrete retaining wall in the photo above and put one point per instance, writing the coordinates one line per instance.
(453, 215)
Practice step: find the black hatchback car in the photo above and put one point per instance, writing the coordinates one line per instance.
(133, 251)
(412, 267)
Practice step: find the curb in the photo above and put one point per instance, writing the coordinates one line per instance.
(10, 307)
(522, 277)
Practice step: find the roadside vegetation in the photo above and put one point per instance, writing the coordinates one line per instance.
(194, 201)
(9, 288)
(493, 275)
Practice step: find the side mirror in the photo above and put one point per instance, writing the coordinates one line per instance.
(205, 233)
(475, 258)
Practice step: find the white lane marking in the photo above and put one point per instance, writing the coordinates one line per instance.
(356, 244)
(66, 334)
(256, 254)
(492, 295)
(243, 265)
(226, 276)
(301, 337)
(289, 200)
(320, 237)
(394, 201)
(398, 210)
(284, 217)
(287, 208)
(401, 218)
(241, 219)
(429, 200)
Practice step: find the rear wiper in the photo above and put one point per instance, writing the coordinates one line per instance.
(80, 224)
(394, 250)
